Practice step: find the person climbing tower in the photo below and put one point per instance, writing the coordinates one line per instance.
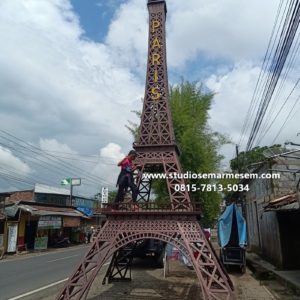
(125, 178)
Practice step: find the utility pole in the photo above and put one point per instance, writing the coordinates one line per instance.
(71, 193)
(237, 158)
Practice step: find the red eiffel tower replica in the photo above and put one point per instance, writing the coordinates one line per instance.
(175, 223)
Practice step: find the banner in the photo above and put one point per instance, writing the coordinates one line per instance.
(41, 243)
(50, 222)
(12, 237)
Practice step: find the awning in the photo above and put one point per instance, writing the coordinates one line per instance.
(11, 211)
(37, 210)
(285, 202)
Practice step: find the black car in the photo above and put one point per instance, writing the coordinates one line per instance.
(151, 249)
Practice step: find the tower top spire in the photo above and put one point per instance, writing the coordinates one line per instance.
(158, 2)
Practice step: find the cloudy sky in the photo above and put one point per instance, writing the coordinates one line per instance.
(71, 72)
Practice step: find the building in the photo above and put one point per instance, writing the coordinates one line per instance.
(2, 224)
(44, 217)
(273, 211)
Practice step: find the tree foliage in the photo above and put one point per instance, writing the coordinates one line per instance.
(111, 196)
(199, 145)
(246, 161)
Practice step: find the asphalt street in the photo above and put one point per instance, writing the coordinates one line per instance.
(24, 274)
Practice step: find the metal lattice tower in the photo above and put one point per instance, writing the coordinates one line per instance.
(177, 222)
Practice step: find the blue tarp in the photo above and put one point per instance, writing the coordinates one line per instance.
(87, 211)
(225, 226)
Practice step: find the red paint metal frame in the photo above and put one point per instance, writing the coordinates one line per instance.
(182, 232)
(177, 224)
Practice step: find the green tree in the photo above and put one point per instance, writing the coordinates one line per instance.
(199, 145)
(111, 196)
(248, 160)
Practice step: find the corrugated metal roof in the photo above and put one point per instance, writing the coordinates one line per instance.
(46, 189)
(281, 202)
(51, 211)
(37, 210)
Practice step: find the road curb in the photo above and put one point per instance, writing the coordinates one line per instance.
(264, 270)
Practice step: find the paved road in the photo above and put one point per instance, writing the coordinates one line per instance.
(21, 275)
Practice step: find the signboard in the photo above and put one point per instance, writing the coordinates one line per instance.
(40, 243)
(72, 181)
(104, 195)
(49, 222)
(71, 221)
(12, 237)
(65, 181)
(76, 181)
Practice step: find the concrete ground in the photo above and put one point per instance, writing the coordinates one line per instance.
(149, 283)
(181, 283)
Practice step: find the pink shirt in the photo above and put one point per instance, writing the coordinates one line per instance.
(126, 163)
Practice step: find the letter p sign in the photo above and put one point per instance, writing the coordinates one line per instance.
(155, 24)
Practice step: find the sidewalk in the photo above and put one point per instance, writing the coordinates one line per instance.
(246, 286)
(263, 268)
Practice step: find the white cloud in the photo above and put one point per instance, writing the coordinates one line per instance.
(233, 30)
(234, 91)
(10, 163)
(70, 94)
(128, 36)
(52, 145)
(112, 151)
(107, 166)
(58, 83)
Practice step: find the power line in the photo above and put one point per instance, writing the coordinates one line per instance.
(281, 87)
(267, 56)
(286, 119)
(272, 78)
(51, 157)
(282, 50)
(279, 111)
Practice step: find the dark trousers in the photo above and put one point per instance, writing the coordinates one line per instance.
(126, 181)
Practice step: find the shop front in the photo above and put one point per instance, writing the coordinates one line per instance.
(71, 229)
(40, 226)
(48, 231)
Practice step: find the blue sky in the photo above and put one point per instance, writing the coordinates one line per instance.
(95, 16)
(71, 72)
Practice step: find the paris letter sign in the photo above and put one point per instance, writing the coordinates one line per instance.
(156, 45)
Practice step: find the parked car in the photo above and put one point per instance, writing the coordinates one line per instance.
(152, 249)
